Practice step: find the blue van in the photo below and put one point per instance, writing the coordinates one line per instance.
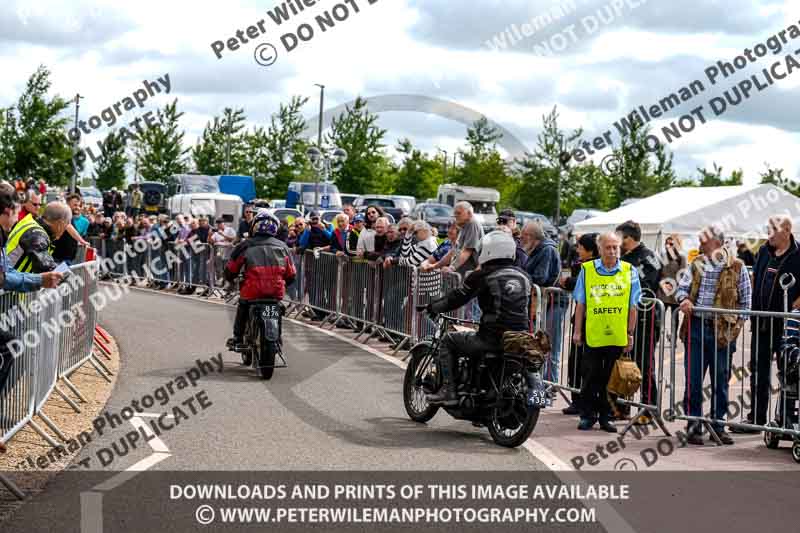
(300, 195)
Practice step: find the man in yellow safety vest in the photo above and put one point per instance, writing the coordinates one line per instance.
(29, 247)
(606, 294)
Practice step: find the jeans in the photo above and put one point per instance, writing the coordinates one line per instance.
(702, 355)
(762, 347)
(199, 268)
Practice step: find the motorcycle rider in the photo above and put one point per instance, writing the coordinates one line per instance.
(503, 291)
(268, 269)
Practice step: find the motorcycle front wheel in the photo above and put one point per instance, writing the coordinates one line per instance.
(512, 421)
(418, 374)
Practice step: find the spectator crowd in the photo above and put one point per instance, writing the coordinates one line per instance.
(600, 274)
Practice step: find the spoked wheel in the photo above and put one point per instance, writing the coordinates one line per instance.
(796, 452)
(512, 421)
(266, 359)
(420, 379)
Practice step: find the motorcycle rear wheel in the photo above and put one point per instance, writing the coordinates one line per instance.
(416, 404)
(266, 356)
(512, 422)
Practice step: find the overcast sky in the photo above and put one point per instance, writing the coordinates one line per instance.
(434, 48)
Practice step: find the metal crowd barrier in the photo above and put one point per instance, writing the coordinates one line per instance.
(167, 263)
(365, 296)
(774, 407)
(55, 331)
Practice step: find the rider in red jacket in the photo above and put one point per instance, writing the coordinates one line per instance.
(268, 268)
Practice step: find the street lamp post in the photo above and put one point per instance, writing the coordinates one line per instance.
(319, 141)
(444, 166)
(323, 162)
(77, 145)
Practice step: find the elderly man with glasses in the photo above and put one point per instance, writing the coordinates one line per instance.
(31, 206)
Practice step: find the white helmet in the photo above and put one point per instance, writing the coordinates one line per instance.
(497, 245)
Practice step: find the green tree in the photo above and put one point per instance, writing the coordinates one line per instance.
(482, 165)
(277, 156)
(32, 136)
(714, 177)
(159, 149)
(775, 177)
(636, 172)
(110, 169)
(417, 174)
(210, 154)
(356, 131)
(538, 172)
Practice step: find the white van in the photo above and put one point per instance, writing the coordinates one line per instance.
(483, 201)
(199, 195)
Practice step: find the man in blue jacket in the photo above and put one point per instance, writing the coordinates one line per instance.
(544, 269)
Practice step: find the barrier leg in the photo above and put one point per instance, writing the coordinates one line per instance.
(68, 399)
(42, 434)
(95, 362)
(99, 331)
(400, 345)
(73, 388)
(12, 487)
(53, 427)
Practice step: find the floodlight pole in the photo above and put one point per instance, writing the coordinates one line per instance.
(319, 142)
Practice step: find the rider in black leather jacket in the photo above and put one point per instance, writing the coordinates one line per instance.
(503, 291)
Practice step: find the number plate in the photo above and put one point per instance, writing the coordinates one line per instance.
(271, 311)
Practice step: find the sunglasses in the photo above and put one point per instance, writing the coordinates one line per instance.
(34, 204)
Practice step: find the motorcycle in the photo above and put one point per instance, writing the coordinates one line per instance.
(501, 391)
(262, 344)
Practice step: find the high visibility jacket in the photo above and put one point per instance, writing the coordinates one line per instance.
(29, 247)
(607, 303)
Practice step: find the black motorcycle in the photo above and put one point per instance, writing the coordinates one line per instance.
(262, 344)
(502, 391)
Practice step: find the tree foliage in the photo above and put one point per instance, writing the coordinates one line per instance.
(159, 149)
(277, 156)
(357, 132)
(110, 169)
(32, 134)
(223, 147)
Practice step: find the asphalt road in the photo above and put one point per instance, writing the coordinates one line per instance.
(334, 408)
(335, 415)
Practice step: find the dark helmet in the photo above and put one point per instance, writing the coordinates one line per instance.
(265, 223)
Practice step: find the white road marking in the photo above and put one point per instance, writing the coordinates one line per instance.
(155, 441)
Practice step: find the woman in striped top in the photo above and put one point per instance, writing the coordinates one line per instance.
(423, 247)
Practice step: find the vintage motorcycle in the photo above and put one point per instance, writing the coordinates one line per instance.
(502, 391)
(262, 344)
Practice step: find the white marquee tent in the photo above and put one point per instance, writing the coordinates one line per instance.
(741, 211)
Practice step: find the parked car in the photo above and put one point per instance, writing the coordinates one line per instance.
(348, 198)
(580, 215)
(286, 214)
(523, 217)
(392, 205)
(437, 215)
(91, 197)
(328, 215)
(154, 197)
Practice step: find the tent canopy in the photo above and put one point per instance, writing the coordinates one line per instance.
(741, 211)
